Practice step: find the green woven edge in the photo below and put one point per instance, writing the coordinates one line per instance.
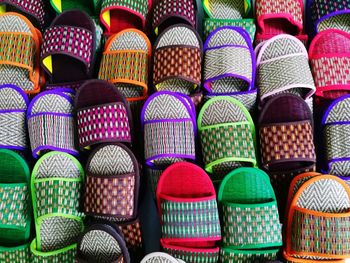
(249, 255)
(247, 3)
(52, 256)
(20, 254)
(209, 167)
(37, 220)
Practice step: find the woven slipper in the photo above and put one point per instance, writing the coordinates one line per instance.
(169, 123)
(13, 127)
(103, 115)
(67, 254)
(112, 183)
(69, 63)
(19, 56)
(283, 67)
(179, 47)
(223, 75)
(15, 254)
(329, 54)
(160, 257)
(335, 126)
(280, 17)
(117, 15)
(56, 185)
(51, 123)
(330, 14)
(171, 12)
(91, 6)
(286, 141)
(188, 210)
(102, 243)
(132, 234)
(220, 120)
(318, 215)
(249, 202)
(227, 9)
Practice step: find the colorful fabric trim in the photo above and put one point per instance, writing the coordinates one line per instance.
(15, 254)
(67, 254)
(103, 123)
(192, 255)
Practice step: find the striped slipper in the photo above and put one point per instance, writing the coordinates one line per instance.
(160, 257)
(319, 214)
(335, 127)
(329, 55)
(188, 210)
(286, 141)
(19, 53)
(171, 12)
(169, 125)
(180, 48)
(89, 6)
(330, 14)
(220, 120)
(229, 66)
(117, 15)
(248, 202)
(69, 65)
(15, 209)
(51, 123)
(280, 17)
(13, 128)
(56, 185)
(103, 115)
(102, 243)
(283, 67)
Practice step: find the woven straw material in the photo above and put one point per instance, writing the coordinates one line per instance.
(58, 256)
(169, 129)
(201, 255)
(51, 123)
(132, 234)
(159, 257)
(243, 256)
(283, 66)
(220, 120)
(226, 9)
(56, 196)
(20, 254)
(153, 178)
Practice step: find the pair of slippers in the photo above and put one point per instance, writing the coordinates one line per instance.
(229, 65)
(318, 219)
(237, 13)
(227, 135)
(286, 141)
(20, 50)
(189, 216)
(56, 186)
(15, 209)
(251, 228)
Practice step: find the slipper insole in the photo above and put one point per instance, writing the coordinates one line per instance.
(67, 69)
(120, 20)
(277, 26)
(82, 5)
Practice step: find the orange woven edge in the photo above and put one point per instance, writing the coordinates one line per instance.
(302, 260)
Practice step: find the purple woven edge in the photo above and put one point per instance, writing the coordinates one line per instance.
(336, 13)
(18, 89)
(183, 156)
(19, 148)
(246, 37)
(52, 148)
(331, 106)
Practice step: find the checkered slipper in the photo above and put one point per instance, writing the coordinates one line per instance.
(16, 207)
(160, 257)
(179, 47)
(171, 12)
(286, 141)
(335, 126)
(318, 215)
(56, 186)
(13, 127)
(117, 15)
(249, 202)
(89, 6)
(188, 210)
(280, 17)
(329, 54)
(102, 243)
(220, 120)
(330, 14)
(103, 116)
(51, 123)
(19, 52)
(169, 125)
(69, 64)
(112, 183)
(223, 74)
(283, 67)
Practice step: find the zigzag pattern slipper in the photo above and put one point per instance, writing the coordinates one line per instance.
(189, 215)
(227, 135)
(179, 47)
(103, 116)
(102, 243)
(13, 127)
(319, 213)
(20, 68)
(160, 257)
(248, 202)
(169, 125)
(283, 67)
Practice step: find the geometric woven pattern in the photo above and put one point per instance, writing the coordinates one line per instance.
(13, 129)
(63, 256)
(132, 234)
(18, 254)
(225, 9)
(230, 255)
(337, 143)
(193, 255)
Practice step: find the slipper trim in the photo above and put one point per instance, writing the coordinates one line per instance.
(291, 259)
(66, 254)
(259, 255)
